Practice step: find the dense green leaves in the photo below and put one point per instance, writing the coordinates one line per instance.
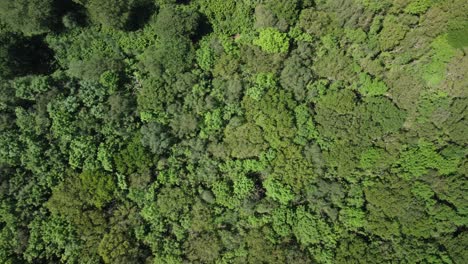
(215, 131)
(28, 16)
(272, 41)
(416, 161)
(114, 14)
(392, 33)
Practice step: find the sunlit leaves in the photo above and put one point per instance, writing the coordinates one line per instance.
(417, 160)
(442, 52)
(272, 41)
(370, 87)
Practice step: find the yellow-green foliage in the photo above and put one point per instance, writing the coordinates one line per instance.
(228, 16)
(417, 160)
(418, 7)
(233, 131)
(441, 53)
(272, 41)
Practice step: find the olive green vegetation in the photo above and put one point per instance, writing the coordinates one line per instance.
(233, 131)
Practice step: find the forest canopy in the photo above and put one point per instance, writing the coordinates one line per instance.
(224, 131)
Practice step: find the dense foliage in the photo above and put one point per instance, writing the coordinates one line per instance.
(233, 131)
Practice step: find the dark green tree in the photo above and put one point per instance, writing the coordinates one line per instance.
(30, 17)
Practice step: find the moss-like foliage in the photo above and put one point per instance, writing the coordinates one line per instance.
(272, 41)
(233, 131)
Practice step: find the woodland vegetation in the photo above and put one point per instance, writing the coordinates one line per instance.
(233, 131)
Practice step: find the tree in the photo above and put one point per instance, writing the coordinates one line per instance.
(278, 191)
(457, 37)
(392, 33)
(110, 13)
(155, 138)
(417, 161)
(93, 68)
(204, 248)
(172, 22)
(272, 41)
(52, 237)
(264, 17)
(228, 17)
(316, 23)
(80, 200)
(223, 131)
(436, 69)
(285, 11)
(297, 73)
(30, 17)
(369, 87)
(97, 188)
(244, 140)
(119, 244)
(30, 87)
(418, 7)
(171, 56)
